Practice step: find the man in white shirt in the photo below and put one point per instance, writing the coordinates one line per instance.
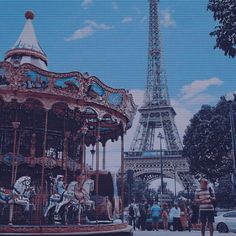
(175, 213)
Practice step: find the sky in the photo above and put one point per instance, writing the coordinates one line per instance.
(109, 39)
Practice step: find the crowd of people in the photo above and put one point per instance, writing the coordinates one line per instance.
(181, 216)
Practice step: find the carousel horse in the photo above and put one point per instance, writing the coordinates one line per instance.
(20, 195)
(73, 196)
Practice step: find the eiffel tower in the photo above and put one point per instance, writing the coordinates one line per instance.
(157, 116)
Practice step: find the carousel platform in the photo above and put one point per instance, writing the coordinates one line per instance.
(88, 230)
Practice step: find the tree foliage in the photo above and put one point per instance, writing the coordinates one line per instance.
(224, 11)
(207, 141)
(225, 193)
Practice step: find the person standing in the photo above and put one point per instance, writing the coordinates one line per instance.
(132, 214)
(165, 216)
(155, 213)
(143, 214)
(175, 212)
(205, 196)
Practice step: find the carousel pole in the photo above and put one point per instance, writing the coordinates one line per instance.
(43, 164)
(17, 153)
(65, 153)
(15, 125)
(83, 161)
(122, 177)
(104, 157)
(92, 153)
(97, 167)
(44, 149)
(14, 161)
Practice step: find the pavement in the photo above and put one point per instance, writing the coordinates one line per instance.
(176, 233)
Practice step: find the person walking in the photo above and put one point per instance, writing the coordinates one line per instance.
(143, 214)
(175, 212)
(155, 213)
(165, 216)
(205, 197)
(132, 214)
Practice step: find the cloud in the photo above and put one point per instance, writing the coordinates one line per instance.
(167, 18)
(198, 86)
(86, 3)
(115, 6)
(90, 28)
(127, 19)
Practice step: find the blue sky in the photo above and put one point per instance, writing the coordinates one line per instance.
(109, 38)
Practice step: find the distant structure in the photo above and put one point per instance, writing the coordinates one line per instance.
(156, 116)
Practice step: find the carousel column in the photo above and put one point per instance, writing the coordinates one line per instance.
(41, 200)
(97, 167)
(14, 162)
(83, 160)
(104, 156)
(65, 154)
(92, 152)
(33, 146)
(15, 125)
(44, 149)
(122, 177)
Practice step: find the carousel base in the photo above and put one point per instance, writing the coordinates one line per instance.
(88, 230)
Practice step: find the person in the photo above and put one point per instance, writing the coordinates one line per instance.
(165, 216)
(155, 213)
(183, 217)
(143, 214)
(194, 215)
(60, 187)
(175, 212)
(132, 214)
(205, 196)
(137, 215)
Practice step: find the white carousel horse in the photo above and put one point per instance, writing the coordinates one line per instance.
(73, 195)
(20, 195)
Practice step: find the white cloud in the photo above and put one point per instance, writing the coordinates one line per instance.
(127, 19)
(167, 18)
(89, 29)
(115, 6)
(86, 3)
(198, 86)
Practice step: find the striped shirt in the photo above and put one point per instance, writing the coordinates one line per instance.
(204, 195)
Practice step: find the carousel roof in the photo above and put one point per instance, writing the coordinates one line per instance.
(27, 48)
(73, 92)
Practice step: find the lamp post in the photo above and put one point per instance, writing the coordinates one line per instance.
(92, 152)
(161, 137)
(232, 127)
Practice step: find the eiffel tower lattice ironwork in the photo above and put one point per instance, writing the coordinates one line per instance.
(156, 115)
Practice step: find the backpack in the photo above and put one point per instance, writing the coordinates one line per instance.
(214, 203)
(131, 210)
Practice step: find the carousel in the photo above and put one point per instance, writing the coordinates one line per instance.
(48, 122)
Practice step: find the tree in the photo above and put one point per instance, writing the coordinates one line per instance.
(224, 11)
(207, 142)
(225, 193)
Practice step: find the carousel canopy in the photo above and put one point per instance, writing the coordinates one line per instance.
(24, 78)
(27, 48)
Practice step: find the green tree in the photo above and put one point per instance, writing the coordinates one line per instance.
(207, 142)
(225, 193)
(224, 11)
